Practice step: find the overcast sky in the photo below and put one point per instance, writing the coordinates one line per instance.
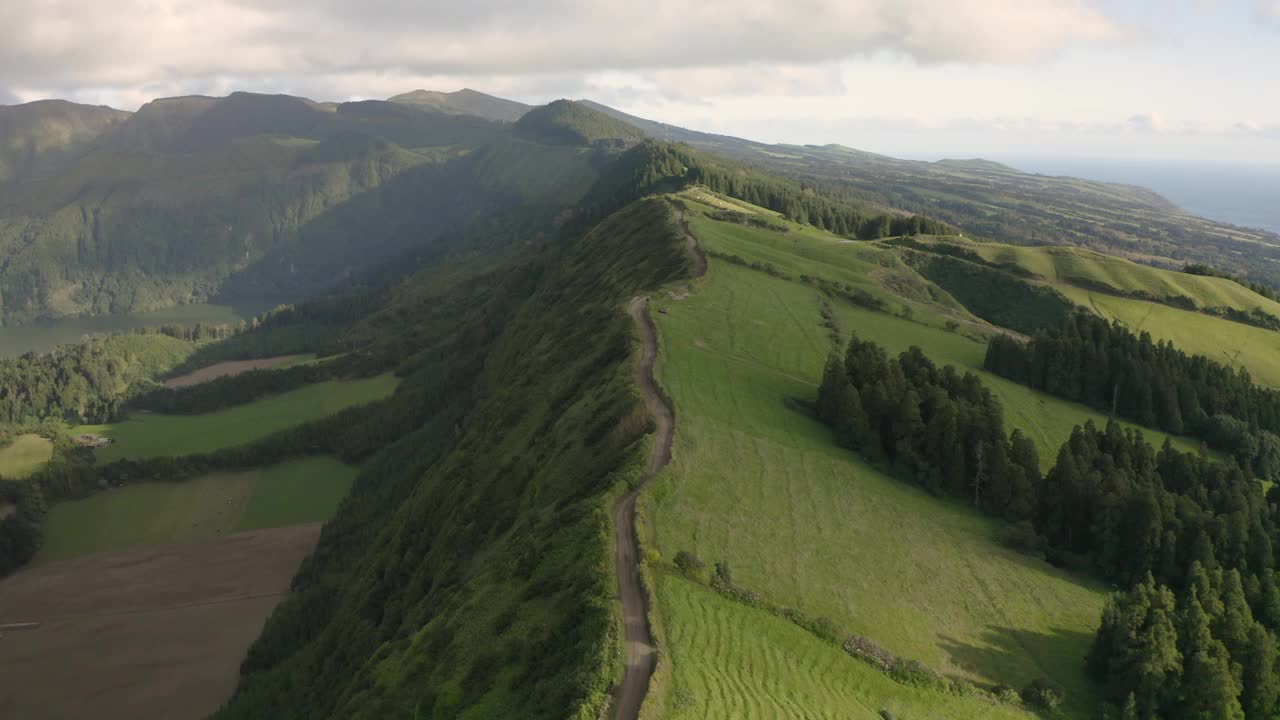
(1171, 80)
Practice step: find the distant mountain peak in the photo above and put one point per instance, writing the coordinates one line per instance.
(463, 102)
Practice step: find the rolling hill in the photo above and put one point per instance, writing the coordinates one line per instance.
(254, 196)
(1000, 203)
(464, 102)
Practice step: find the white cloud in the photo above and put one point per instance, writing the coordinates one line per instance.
(1268, 11)
(1148, 122)
(335, 47)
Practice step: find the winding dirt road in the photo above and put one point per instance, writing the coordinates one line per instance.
(640, 654)
(641, 657)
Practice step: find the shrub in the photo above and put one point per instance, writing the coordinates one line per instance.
(1024, 538)
(913, 672)
(866, 649)
(723, 577)
(1006, 694)
(1043, 693)
(688, 563)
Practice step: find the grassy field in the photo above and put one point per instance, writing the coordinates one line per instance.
(1066, 264)
(291, 493)
(153, 435)
(1221, 340)
(810, 525)
(26, 454)
(732, 661)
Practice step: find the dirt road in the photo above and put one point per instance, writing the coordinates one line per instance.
(691, 242)
(640, 653)
(640, 656)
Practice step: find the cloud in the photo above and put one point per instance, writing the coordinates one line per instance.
(1148, 122)
(1268, 12)
(67, 46)
(8, 98)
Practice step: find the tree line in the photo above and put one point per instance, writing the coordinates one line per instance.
(1108, 367)
(1111, 503)
(653, 167)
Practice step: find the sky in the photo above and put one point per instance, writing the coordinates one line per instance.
(1179, 80)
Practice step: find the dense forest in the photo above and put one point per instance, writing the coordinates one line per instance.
(934, 427)
(1106, 366)
(92, 381)
(1159, 522)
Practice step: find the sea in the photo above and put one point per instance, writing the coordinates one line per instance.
(1245, 195)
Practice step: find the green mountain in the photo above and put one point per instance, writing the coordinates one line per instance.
(464, 102)
(269, 197)
(566, 122)
(36, 136)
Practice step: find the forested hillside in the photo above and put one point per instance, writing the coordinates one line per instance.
(468, 574)
(267, 197)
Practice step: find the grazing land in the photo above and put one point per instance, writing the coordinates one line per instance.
(233, 367)
(156, 633)
(1222, 341)
(26, 454)
(733, 661)
(290, 493)
(157, 435)
(810, 525)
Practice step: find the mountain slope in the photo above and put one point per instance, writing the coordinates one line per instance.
(565, 122)
(464, 102)
(268, 197)
(1000, 203)
(36, 136)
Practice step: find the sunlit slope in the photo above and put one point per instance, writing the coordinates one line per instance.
(808, 524)
(732, 661)
(1094, 269)
(1224, 341)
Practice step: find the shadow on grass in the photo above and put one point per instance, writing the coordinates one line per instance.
(1016, 657)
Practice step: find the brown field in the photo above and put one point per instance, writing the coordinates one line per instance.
(224, 369)
(154, 633)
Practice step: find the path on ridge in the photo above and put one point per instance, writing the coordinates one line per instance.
(641, 657)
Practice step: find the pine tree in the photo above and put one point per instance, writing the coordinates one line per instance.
(1261, 685)
(1209, 690)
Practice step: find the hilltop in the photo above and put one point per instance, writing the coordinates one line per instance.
(565, 122)
(464, 102)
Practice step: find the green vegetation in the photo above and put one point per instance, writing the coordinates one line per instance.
(733, 661)
(90, 381)
(807, 524)
(154, 513)
(255, 196)
(565, 122)
(1226, 342)
(154, 435)
(994, 201)
(27, 453)
(463, 102)
(468, 575)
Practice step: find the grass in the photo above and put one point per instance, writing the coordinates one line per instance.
(732, 661)
(810, 525)
(290, 493)
(1065, 264)
(26, 454)
(154, 434)
(1221, 340)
